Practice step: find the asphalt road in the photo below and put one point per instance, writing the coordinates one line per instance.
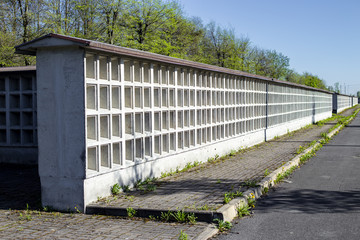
(319, 201)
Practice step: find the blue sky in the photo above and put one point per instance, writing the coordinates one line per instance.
(319, 36)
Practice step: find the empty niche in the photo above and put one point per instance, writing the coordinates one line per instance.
(2, 136)
(27, 136)
(138, 148)
(115, 97)
(185, 77)
(192, 138)
(91, 96)
(192, 78)
(165, 121)
(14, 101)
(192, 98)
(214, 98)
(218, 112)
(192, 118)
(203, 135)
(198, 117)
(208, 134)
(2, 84)
(180, 140)
(180, 119)
(157, 144)
(138, 123)
(218, 133)
(104, 126)
(171, 76)
(129, 150)
(138, 93)
(165, 143)
(2, 118)
(104, 97)
(157, 121)
(203, 117)
(226, 130)
(208, 114)
(172, 119)
(198, 80)
(147, 121)
(105, 155)
(179, 77)
(115, 69)
(91, 127)
(26, 84)
(186, 118)
(226, 114)
(214, 116)
(2, 101)
(127, 71)
(146, 72)
(163, 75)
(171, 98)
(180, 98)
(116, 148)
(27, 101)
(218, 102)
(116, 125)
(90, 66)
(15, 137)
(198, 98)
(198, 137)
(103, 68)
(164, 97)
(222, 98)
(222, 131)
(147, 97)
(92, 158)
(204, 100)
(148, 147)
(128, 124)
(238, 128)
(156, 97)
(186, 98)
(156, 74)
(214, 132)
(222, 115)
(128, 97)
(137, 72)
(27, 119)
(186, 139)
(172, 141)
(14, 119)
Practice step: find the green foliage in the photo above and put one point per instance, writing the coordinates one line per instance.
(243, 210)
(183, 235)
(223, 225)
(228, 196)
(115, 190)
(266, 173)
(158, 26)
(131, 212)
(179, 216)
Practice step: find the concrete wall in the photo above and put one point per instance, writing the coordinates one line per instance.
(110, 115)
(342, 102)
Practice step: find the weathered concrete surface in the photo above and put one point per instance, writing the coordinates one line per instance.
(320, 201)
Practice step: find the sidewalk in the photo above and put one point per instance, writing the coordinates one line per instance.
(199, 190)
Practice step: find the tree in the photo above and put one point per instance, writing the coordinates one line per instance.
(358, 94)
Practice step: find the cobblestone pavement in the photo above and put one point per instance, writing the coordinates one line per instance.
(202, 188)
(29, 224)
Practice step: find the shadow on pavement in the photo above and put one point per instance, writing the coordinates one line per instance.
(311, 201)
(20, 185)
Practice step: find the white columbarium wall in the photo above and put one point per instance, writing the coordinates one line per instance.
(111, 115)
